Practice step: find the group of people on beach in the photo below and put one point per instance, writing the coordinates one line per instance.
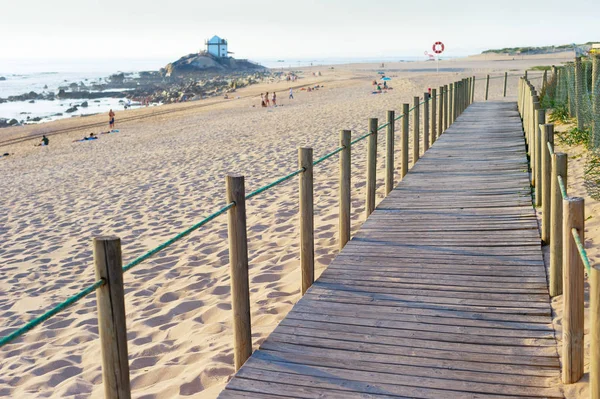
(266, 103)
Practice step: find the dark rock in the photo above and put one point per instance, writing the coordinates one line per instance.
(117, 78)
(72, 109)
(84, 104)
(13, 122)
(36, 119)
(2, 78)
(31, 101)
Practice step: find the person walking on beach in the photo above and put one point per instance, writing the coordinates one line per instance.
(274, 99)
(291, 94)
(111, 119)
(262, 100)
(268, 104)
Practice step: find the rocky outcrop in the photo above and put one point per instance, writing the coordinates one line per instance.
(2, 78)
(204, 62)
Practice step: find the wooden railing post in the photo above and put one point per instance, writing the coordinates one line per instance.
(389, 153)
(404, 142)
(540, 119)
(505, 80)
(415, 130)
(473, 90)
(450, 104)
(594, 281)
(371, 167)
(487, 86)
(434, 126)
(425, 122)
(573, 296)
(559, 168)
(546, 179)
(307, 230)
(345, 184)
(112, 326)
(445, 108)
(440, 128)
(238, 260)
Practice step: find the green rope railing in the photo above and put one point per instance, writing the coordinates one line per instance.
(550, 148)
(75, 298)
(563, 190)
(581, 249)
(40, 319)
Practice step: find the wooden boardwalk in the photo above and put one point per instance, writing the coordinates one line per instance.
(441, 294)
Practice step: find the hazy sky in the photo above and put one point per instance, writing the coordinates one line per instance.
(286, 29)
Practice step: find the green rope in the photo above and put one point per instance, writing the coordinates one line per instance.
(324, 157)
(275, 183)
(360, 138)
(40, 319)
(563, 190)
(382, 126)
(582, 252)
(550, 148)
(178, 237)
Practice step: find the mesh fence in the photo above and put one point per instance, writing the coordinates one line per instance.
(573, 91)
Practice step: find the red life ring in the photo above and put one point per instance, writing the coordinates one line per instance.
(438, 47)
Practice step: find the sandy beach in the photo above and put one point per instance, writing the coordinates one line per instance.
(164, 171)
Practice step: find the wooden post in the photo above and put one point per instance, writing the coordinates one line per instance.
(371, 167)
(487, 87)
(445, 108)
(520, 98)
(546, 179)
(545, 79)
(425, 122)
(505, 80)
(415, 130)
(433, 115)
(307, 230)
(238, 260)
(559, 168)
(573, 275)
(596, 101)
(345, 180)
(578, 93)
(540, 119)
(404, 141)
(112, 327)
(389, 154)
(594, 281)
(473, 91)
(440, 128)
(450, 104)
(525, 74)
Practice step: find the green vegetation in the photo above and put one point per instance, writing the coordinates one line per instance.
(575, 136)
(536, 50)
(541, 68)
(560, 114)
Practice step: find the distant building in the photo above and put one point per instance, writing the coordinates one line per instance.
(217, 47)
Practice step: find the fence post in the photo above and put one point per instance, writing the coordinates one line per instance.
(573, 211)
(433, 115)
(594, 280)
(445, 108)
(440, 128)
(473, 90)
(345, 177)
(425, 122)
(415, 130)
(450, 104)
(578, 92)
(596, 103)
(487, 87)
(371, 167)
(111, 317)
(559, 168)
(540, 119)
(389, 155)
(545, 180)
(238, 260)
(404, 142)
(307, 230)
(505, 80)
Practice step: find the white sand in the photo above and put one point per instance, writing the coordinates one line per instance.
(152, 180)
